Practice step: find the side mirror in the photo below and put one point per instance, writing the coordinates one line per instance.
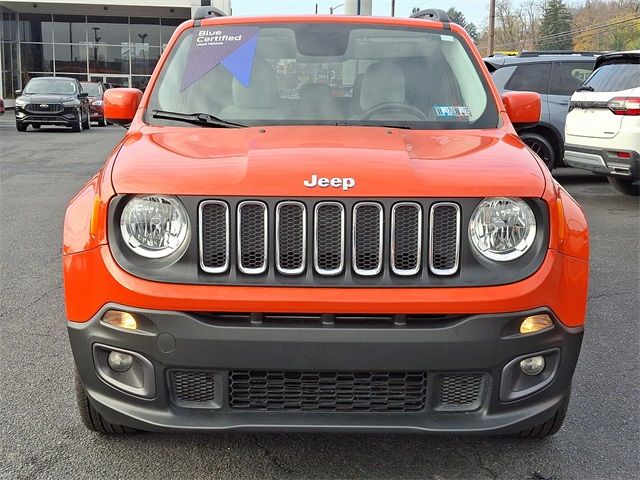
(83, 94)
(120, 104)
(18, 93)
(523, 108)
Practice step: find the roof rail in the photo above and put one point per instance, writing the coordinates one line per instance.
(537, 53)
(208, 12)
(432, 14)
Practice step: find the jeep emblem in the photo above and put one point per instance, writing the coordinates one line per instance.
(324, 182)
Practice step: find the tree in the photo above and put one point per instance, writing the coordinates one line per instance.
(555, 27)
(458, 17)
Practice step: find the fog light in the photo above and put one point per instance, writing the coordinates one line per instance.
(120, 319)
(532, 365)
(120, 362)
(535, 323)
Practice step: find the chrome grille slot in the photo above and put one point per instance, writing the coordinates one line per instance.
(444, 238)
(44, 108)
(291, 237)
(406, 238)
(252, 237)
(214, 236)
(367, 238)
(329, 234)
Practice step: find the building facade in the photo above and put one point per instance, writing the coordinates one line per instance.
(112, 41)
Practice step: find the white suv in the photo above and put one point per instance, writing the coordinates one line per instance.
(602, 133)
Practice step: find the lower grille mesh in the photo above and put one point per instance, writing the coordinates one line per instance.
(460, 391)
(191, 388)
(327, 391)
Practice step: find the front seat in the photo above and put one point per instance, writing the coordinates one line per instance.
(259, 100)
(317, 103)
(382, 82)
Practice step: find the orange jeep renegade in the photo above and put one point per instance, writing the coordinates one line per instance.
(324, 223)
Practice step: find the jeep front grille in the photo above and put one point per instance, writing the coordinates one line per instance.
(363, 237)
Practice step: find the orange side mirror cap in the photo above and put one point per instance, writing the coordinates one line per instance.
(523, 108)
(120, 104)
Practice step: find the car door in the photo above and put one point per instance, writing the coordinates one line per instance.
(566, 77)
(532, 77)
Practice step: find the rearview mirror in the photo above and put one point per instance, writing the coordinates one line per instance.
(120, 104)
(523, 108)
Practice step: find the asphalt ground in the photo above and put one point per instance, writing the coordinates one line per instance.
(40, 431)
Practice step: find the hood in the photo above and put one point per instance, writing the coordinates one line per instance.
(276, 161)
(47, 98)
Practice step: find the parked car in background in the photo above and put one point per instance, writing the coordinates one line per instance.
(555, 76)
(52, 101)
(1, 106)
(95, 90)
(603, 125)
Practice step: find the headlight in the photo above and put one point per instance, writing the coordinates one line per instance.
(71, 103)
(20, 103)
(502, 229)
(154, 226)
(97, 103)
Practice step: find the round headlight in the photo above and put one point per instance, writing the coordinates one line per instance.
(154, 226)
(502, 228)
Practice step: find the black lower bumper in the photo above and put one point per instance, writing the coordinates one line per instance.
(604, 161)
(66, 118)
(462, 373)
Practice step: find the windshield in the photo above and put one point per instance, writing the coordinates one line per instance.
(325, 73)
(52, 86)
(93, 89)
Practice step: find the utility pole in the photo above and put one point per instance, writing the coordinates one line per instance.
(393, 8)
(316, 8)
(492, 27)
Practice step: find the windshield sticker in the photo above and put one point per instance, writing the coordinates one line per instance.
(234, 47)
(452, 111)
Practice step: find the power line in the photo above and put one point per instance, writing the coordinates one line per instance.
(572, 32)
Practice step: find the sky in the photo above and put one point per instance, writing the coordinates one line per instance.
(475, 11)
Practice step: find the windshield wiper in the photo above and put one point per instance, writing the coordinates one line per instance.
(585, 88)
(201, 119)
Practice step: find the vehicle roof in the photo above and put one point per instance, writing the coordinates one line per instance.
(499, 61)
(54, 78)
(616, 55)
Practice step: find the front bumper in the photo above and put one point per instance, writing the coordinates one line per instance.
(484, 346)
(604, 161)
(67, 117)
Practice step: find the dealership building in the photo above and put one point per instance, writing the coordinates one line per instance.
(117, 42)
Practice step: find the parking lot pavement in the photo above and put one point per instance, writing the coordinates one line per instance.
(40, 431)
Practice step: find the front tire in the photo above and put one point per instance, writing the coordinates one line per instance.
(551, 426)
(626, 185)
(91, 418)
(541, 146)
(21, 127)
(86, 123)
(102, 122)
(77, 126)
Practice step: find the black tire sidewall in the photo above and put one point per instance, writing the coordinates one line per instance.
(533, 136)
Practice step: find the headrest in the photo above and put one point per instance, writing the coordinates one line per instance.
(263, 88)
(382, 82)
(315, 92)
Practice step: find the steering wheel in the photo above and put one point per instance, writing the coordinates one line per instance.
(394, 107)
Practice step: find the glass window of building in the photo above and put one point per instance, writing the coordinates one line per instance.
(108, 30)
(36, 57)
(71, 58)
(144, 58)
(35, 28)
(145, 31)
(69, 28)
(9, 27)
(109, 59)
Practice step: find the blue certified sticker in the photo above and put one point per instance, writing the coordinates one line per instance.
(232, 46)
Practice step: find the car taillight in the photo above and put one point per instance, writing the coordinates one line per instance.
(625, 105)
